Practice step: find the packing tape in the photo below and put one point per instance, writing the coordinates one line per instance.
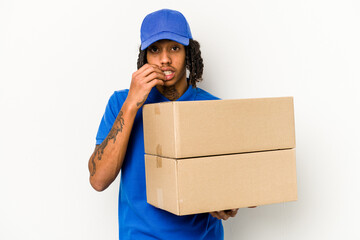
(157, 109)
(159, 150)
(160, 197)
(158, 162)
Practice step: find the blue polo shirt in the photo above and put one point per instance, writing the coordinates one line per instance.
(139, 220)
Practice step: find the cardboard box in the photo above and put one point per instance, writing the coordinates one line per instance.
(204, 128)
(205, 184)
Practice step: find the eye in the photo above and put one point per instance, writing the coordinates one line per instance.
(175, 48)
(153, 49)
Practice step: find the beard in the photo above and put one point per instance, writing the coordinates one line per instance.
(170, 92)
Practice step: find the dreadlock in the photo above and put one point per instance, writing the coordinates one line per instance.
(193, 59)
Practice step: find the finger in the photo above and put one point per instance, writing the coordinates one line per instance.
(215, 215)
(233, 212)
(146, 66)
(150, 69)
(145, 70)
(223, 215)
(141, 70)
(212, 214)
(154, 75)
(156, 82)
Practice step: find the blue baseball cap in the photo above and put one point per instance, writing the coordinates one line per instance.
(165, 24)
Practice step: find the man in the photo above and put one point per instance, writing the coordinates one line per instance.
(167, 50)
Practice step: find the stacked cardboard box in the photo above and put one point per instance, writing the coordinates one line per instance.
(205, 156)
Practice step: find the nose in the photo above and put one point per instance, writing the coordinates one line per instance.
(165, 58)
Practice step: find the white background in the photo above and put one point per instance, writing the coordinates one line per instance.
(61, 60)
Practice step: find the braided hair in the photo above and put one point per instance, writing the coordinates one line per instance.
(193, 59)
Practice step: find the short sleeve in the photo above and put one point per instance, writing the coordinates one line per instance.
(111, 112)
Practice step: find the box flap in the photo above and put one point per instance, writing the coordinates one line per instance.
(233, 181)
(158, 128)
(205, 128)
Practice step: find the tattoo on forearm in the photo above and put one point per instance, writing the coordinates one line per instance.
(93, 160)
(99, 150)
(140, 103)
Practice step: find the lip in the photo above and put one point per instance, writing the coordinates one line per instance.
(167, 69)
(169, 76)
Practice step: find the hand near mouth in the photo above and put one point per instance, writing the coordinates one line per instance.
(143, 80)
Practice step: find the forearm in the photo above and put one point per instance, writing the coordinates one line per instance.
(107, 159)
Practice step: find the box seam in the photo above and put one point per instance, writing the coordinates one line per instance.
(293, 122)
(176, 130)
(177, 187)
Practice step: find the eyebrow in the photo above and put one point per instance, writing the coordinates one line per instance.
(173, 43)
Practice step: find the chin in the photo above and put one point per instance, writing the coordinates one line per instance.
(169, 83)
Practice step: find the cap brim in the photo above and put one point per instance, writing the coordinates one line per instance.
(165, 35)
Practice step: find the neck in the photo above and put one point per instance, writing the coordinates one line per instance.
(173, 92)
